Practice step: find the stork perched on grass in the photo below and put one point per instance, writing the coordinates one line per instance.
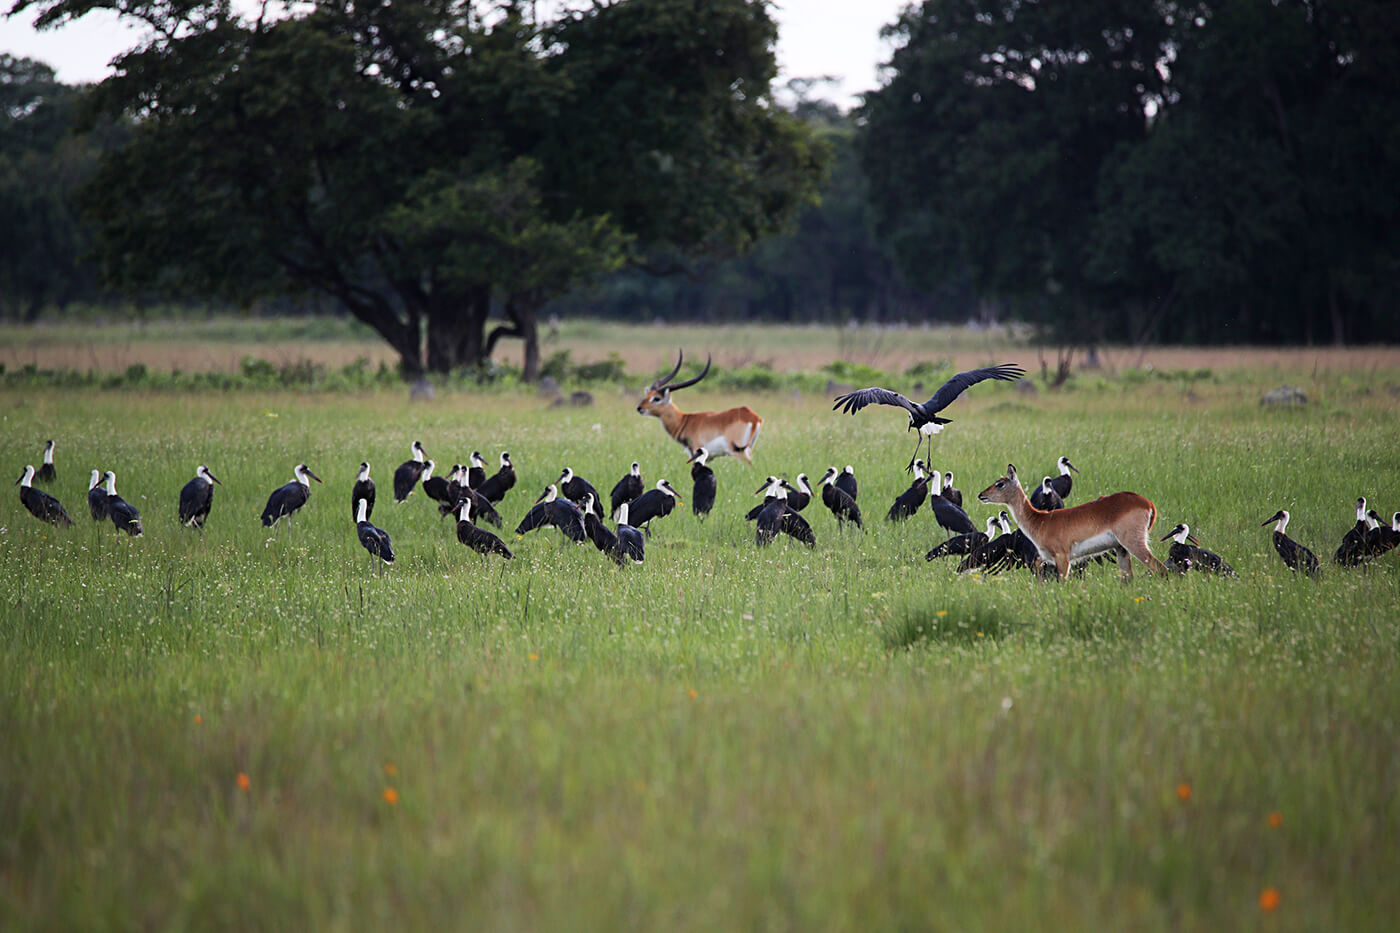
(840, 503)
(406, 476)
(627, 488)
(363, 489)
(47, 474)
(702, 484)
(478, 539)
(197, 497)
(912, 499)
(39, 503)
(374, 540)
(924, 417)
(125, 516)
(500, 482)
(286, 500)
(1296, 556)
(777, 517)
(550, 509)
(1186, 554)
(97, 497)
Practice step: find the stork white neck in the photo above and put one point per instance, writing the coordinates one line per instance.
(427, 471)
(827, 477)
(1361, 509)
(666, 488)
(1045, 486)
(567, 475)
(202, 473)
(477, 461)
(622, 515)
(1282, 526)
(48, 453)
(992, 526)
(1063, 464)
(919, 469)
(464, 510)
(419, 454)
(95, 481)
(299, 473)
(27, 480)
(1004, 523)
(1373, 521)
(362, 511)
(551, 493)
(637, 467)
(1395, 522)
(505, 459)
(802, 484)
(111, 479)
(948, 480)
(1183, 531)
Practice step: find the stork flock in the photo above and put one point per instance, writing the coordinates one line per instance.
(1050, 535)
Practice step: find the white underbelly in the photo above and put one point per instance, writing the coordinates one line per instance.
(1089, 547)
(717, 446)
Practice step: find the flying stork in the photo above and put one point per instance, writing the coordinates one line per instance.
(839, 502)
(703, 486)
(375, 540)
(363, 489)
(47, 474)
(406, 476)
(1186, 554)
(196, 497)
(1295, 555)
(286, 500)
(124, 515)
(39, 503)
(627, 488)
(924, 417)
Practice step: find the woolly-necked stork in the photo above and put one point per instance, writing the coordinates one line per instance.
(950, 492)
(1045, 498)
(125, 516)
(924, 417)
(435, 487)
(799, 492)
(909, 501)
(777, 516)
(577, 489)
(1186, 553)
(1296, 556)
(965, 543)
(654, 503)
(478, 539)
(500, 482)
(196, 497)
(363, 489)
(97, 497)
(476, 470)
(1064, 482)
(702, 483)
(550, 509)
(1352, 550)
(406, 476)
(603, 539)
(47, 473)
(948, 515)
(630, 543)
(839, 502)
(39, 503)
(846, 482)
(375, 540)
(627, 488)
(286, 500)
(752, 513)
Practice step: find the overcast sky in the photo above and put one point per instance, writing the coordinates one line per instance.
(815, 37)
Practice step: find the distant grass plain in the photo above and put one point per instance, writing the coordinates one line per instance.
(217, 732)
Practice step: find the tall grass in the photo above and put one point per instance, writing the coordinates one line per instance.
(724, 737)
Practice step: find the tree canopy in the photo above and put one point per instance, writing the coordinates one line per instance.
(426, 161)
(1134, 169)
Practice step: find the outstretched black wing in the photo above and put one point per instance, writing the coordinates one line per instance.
(950, 390)
(853, 402)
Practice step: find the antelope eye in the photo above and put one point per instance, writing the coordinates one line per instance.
(1001, 483)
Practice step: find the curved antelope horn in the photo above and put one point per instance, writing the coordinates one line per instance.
(691, 382)
(661, 383)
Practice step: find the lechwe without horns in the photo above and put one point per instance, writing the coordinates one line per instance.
(733, 431)
(1119, 523)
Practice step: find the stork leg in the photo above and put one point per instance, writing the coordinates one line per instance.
(918, 442)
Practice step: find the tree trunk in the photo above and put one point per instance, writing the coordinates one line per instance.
(455, 327)
(527, 321)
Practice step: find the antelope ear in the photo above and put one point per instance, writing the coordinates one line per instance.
(1011, 472)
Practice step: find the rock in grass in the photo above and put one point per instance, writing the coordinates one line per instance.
(1284, 395)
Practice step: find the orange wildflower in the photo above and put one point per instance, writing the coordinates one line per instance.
(391, 796)
(1275, 820)
(693, 693)
(1183, 792)
(533, 656)
(198, 719)
(390, 768)
(1268, 900)
(243, 782)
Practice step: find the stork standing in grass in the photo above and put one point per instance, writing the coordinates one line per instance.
(777, 517)
(286, 500)
(478, 539)
(702, 484)
(1186, 554)
(909, 502)
(125, 516)
(197, 497)
(500, 482)
(846, 482)
(551, 509)
(374, 540)
(47, 474)
(406, 476)
(363, 489)
(1296, 556)
(840, 503)
(653, 504)
(627, 488)
(97, 497)
(39, 503)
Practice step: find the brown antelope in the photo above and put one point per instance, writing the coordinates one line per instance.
(1118, 523)
(733, 431)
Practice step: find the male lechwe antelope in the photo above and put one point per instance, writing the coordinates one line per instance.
(924, 417)
(732, 431)
(1118, 523)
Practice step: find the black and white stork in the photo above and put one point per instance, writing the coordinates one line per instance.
(500, 482)
(476, 470)
(1296, 556)
(837, 501)
(702, 483)
(47, 474)
(435, 487)
(577, 489)
(912, 499)
(924, 417)
(965, 543)
(799, 493)
(39, 503)
(752, 513)
(1045, 498)
(601, 536)
(627, 488)
(630, 543)
(478, 539)
(97, 497)
(196, 497)
(1063, 481)
(951, 517)
(846, 482)
(1186, 554)
(125, 516)
(406, 476)
(286, 500)
(652, 504)
(375, 540)
(363, 489)
(950, 492)
(552, 510)
(1352, 550)
(777, 516)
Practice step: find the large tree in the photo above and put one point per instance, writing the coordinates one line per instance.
(426, 161)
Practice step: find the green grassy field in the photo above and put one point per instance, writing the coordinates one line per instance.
(722, 738)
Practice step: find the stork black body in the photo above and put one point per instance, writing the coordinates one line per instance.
(39, 503)
(653, 504)
(964, 544)
(500, 482)
(1005, 551)
(1352, 551)
(125, 516)
(97, 498)
(478, 539)
(912, 499)
(47, 474)
(951, 492)
(476, 470)
(550, 510)
(286, 500)
(603, 539)
(481, 508)
(1297, 557)
(628, 488)
(630, 543)
(375, 540)
(406, 476)
(800, 495)
(363, 489)
(1187, 554)
(197, 497)
(752, 514)
(777, 517)
(435, 487)
(579, 490)
(950, 516)
(1045, 498)
(837, 501)
(924, 417)
(702, 484)
(846, 482)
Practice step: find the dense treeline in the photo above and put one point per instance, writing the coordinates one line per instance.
(1112, 170)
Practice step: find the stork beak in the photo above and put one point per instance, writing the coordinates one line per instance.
(546, 492)
(1072, 466)
(212, 476)
(1167, 536)
(308, 473)
(1269, 521)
